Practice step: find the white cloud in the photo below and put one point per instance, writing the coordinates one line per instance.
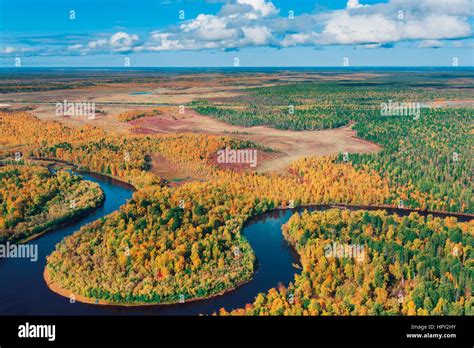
(242, 23)
(345, 29)
(97, 44)
(17, 51)
(118, 42)
(258, 36)
(299, 39)
(247, 23)
(75, 47)
(164, 43)
(209, 28)
(430, 44)
(260, 8)
(353, 4)
(122, 41)
(239, 23)
(8, 50)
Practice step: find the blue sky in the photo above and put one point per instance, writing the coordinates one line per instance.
(216, 32)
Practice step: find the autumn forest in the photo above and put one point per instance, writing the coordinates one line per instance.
(180, 240)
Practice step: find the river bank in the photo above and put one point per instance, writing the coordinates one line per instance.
(291, 250)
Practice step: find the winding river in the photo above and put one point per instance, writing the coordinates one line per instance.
(23, 290)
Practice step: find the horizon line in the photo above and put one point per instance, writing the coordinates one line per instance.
(239, 67)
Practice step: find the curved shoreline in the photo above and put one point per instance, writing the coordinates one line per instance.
(438, 213)
(56, 288)
(346, 205)
(81, 214)
(85, 171)
(78, 214)
(77, 217)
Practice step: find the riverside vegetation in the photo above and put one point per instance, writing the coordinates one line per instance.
(33, 200)
(187, 241)
(409, 265)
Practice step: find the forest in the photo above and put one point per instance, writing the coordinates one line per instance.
(410, 265)
(187, 240)
(33, 200)
(315, 105)
(430, 157)
(428, 161)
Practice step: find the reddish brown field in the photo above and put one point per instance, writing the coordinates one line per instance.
(289, 145)
(168, 93)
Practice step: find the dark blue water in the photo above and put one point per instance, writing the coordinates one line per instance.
(22, 288)
(24, 292)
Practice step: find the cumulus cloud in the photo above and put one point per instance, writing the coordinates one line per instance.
(396, 21)
(239, 23)
(119, 42)
(345, 29)
(258, 35)
(250, 23)
(242, 23)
